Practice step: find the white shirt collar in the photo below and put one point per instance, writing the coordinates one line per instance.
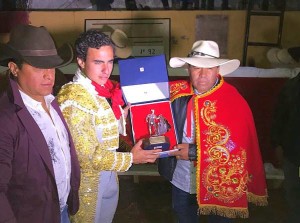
(29, 101)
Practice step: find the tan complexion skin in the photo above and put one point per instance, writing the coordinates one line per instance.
(35, 82)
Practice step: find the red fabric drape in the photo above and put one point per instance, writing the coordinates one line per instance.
(230, 171)
(112, 91)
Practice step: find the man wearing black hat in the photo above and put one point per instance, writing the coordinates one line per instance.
(39, 170)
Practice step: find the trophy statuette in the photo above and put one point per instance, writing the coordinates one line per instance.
(157, 127)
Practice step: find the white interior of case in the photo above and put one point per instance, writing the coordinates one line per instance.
(146, 92)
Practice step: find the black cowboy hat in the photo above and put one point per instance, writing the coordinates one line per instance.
(36, 47)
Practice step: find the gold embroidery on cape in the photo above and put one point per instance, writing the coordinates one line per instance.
(177, 87)
(224, 177)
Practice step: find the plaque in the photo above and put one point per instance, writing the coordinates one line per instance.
(145, 84)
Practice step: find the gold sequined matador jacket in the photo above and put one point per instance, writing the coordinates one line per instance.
(95, 131)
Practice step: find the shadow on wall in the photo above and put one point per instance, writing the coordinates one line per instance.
(12, 18)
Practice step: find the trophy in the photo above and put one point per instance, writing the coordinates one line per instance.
(157, 127)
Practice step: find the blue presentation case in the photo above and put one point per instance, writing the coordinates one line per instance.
(145, 84)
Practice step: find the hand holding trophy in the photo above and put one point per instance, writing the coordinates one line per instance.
(157, 127)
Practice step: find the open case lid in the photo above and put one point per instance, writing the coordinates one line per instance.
(144, 79)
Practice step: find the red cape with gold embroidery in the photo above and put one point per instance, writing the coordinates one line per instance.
(230, 171)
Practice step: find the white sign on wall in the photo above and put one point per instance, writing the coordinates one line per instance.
(148, 37)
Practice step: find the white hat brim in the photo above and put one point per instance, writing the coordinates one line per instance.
(284, 56)
(123, 46)
(226, 66)
(280, 57)
(272, 55)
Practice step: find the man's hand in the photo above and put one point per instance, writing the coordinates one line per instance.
(144, 156)
(182, 153)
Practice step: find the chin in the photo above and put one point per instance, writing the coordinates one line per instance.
(47, 92)
(102, 81)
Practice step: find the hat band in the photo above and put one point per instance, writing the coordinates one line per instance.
(37, 53)
(120, 46)
(195, 53)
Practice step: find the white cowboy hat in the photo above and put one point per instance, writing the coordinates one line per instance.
(205, 54)
(280, 56)
(122, 43)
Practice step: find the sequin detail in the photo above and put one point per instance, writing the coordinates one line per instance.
(95, 132)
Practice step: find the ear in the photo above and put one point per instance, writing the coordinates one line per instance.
(13, 67)
(81, 63)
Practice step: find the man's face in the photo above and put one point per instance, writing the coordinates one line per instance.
(203, 79)
(35, 82)
(99, 64)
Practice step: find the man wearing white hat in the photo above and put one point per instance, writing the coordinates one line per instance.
(218, 168)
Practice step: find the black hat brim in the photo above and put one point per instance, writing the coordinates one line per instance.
(64, 57)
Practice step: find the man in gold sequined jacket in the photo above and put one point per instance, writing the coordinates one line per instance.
(92, 106)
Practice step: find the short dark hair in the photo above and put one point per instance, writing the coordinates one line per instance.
(92, 38)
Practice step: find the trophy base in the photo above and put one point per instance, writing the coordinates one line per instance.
(156, 142)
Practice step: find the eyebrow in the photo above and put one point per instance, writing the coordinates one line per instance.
(102, 61)
(98, 61)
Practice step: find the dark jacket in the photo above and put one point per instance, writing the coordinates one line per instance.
(285, 129)
(166, 166)
(28, 192)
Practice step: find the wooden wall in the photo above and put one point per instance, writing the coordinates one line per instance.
(66, 25)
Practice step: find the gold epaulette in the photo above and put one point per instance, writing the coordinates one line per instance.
(76, 93)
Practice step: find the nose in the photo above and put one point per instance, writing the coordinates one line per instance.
(105, 68)
(201, 72)
(49, 73)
